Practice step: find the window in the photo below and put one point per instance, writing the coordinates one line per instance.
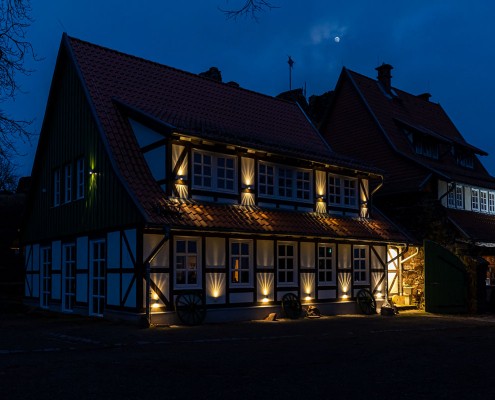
(360, 264)
(475, 199)
(68, 183)
(465, 160)
(56, 187)
(69, 276)
(80, 178)
(483, 201)
(284, 182)
(240, 262)
(491, 203)
(186, 263)
(286, 263)
(451, 196)
(97, 277)
(46, 276)
(325, 264)
(266, 178)
(342, 191)
(459, 196)
(214, 172)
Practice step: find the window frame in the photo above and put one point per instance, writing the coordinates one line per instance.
(296, 187)
(46, 259)
(491, 202)
(286, 271)
(484, 201)
(187, 254)
(241, 269)
(339, 193)
(459, 197)
(214, 171)
(69, 269)
(97, 274)
(475, 199)
(360, 265)
(67, 183)
(325, 270)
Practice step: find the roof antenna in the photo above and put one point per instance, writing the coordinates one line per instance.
(291, 64)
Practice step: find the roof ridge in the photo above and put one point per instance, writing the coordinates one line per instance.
(192, 74)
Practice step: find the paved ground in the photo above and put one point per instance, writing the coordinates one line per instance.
(410, 356)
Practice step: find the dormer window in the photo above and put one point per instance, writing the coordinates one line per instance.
(465, 160)
(426, 147)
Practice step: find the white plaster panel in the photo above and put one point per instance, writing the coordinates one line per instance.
(113, 289)
(113, 250)
(36, 257)
(345, 260)
(82, 253)
(162, 257)
(307, 287)
(241, 297)
(56, 286)
(28, 258)
(82, 287)
(327, 294)
(36, 286)
(375, 261)
(162, 281)
(264, 257)
(215, 252)
(129, 254)
(307, 255)
(442, 190)
(344, 283)
(56, 255)
(266, 286)
(126, 281)
(144, 135)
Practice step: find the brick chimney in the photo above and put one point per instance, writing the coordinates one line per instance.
(384, 76)
(424, 96)
(213, 73)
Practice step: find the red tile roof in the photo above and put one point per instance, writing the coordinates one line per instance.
(188, 214)
(201, 107)
(478, 227)
(393, 112)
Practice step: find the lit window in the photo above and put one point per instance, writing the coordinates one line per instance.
(56, 187)
(475, 199)
(342, 191)
(68, 183)
(240, 262)
(360, 264)
(214, 172)
(483, 201)
(284, 183)
(186, 263)
(286, 258)
(80, 178)
(325, 264)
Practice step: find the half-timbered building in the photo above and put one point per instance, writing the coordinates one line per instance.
(150, 182)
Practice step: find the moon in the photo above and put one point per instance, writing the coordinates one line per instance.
(337, 39)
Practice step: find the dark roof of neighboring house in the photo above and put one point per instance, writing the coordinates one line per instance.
(478, 227)
(396, 109)
(182, 102)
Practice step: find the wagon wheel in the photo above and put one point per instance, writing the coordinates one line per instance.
(190, 308)
(291, 305)
(366, 302)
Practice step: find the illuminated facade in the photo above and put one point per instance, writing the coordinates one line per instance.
(150, 182)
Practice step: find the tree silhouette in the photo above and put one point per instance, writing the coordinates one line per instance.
(14, 48)
(250, 8)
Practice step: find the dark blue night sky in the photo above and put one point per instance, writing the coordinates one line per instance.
(442, 47)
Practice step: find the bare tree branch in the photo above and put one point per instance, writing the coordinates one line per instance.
(250, 8)
(14, 49)
(8, 179)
